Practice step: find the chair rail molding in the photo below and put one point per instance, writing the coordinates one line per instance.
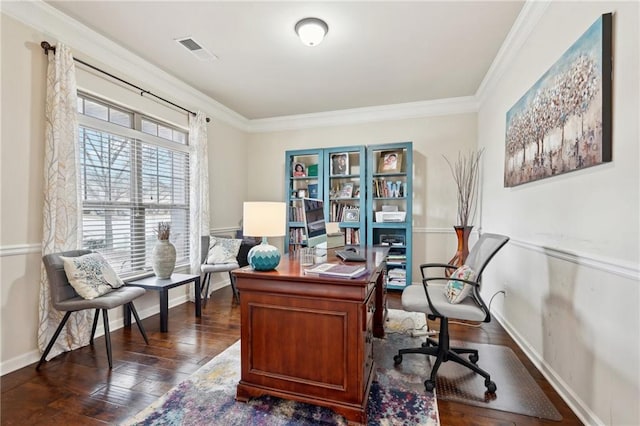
(20, 249)
(612, 266)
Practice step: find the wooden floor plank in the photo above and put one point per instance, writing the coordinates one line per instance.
(78, 388)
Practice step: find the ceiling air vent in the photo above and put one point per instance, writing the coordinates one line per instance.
(196, 48)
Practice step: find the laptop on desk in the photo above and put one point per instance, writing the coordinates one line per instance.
(350, 256)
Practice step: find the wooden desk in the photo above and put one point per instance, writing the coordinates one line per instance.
(162, 286)
(310, 339)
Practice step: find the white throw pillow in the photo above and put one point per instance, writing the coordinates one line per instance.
(457, 291)
(91, 275)
(223, 250)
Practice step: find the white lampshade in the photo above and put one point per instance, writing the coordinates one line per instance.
(264, 219)
(311, 31)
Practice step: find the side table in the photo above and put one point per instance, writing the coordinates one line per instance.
(162, 285)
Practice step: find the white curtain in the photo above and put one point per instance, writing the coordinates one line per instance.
(198, 189)
(61, 197)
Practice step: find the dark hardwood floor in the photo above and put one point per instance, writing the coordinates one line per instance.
(77, 388)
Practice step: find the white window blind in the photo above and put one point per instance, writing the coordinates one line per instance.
(130, 181)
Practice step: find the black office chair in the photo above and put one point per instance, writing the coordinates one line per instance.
(430, 299)
(64, 298)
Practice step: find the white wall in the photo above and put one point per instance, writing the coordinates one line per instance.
(434, 197)
(571, 269)
(23, 72)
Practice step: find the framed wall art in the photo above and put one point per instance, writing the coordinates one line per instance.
(563, 123)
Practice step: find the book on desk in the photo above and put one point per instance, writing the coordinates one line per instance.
(336, 270)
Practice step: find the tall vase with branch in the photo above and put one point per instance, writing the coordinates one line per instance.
(465, 171)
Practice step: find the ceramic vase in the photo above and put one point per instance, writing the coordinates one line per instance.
(164, 258)
(462, 232)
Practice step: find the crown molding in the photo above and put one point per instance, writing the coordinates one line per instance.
(522, 28)
(85, 42)
(342, 117)
(82, 39)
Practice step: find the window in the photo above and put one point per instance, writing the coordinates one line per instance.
(134, 173)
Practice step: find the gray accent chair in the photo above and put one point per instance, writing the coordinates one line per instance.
(206, 269)
(64, 298)
(430, 299)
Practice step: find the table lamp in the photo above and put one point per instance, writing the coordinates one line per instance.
(264, 219)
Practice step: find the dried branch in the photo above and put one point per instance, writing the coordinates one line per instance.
(465, 173)
(164, 229)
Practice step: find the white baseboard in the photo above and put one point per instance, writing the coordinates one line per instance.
(584, 413)
(31, 357)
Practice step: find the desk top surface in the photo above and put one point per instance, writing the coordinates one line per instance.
(291, 269)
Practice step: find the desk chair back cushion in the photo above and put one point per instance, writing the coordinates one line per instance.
(477, 260)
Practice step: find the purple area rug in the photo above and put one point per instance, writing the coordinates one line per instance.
(208, 398)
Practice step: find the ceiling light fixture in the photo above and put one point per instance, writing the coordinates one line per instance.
(311, 30)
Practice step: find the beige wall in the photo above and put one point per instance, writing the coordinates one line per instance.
(21, 170)
(434, 198)
(571, 269)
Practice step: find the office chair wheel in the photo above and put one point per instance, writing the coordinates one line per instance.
(491, 387)
(473, 358)
(430, 385)
(397, 359)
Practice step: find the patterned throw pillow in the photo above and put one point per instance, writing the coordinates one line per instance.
(223, 250)
(91, 275)
(456, 291)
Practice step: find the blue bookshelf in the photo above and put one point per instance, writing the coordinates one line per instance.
(345, 169)
(389, 207)
(306, 180)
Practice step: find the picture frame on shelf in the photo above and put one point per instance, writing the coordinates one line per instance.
(299, 169)
(390, 162)
(339, 164)
(351, 214)
(346, 190)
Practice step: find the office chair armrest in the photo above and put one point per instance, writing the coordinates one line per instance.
(425, 266)
(475, 292)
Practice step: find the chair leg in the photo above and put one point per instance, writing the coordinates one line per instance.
(205, 286)
(236, 293)
(135, 314)
(53, 339)
(95, 324)
(107, 335)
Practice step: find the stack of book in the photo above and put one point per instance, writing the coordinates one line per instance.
(397, 277)
(396, 259)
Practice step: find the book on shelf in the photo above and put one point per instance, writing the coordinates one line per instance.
(313, 190)
(336, 270)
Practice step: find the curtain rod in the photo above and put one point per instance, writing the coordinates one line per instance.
(47, 47)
